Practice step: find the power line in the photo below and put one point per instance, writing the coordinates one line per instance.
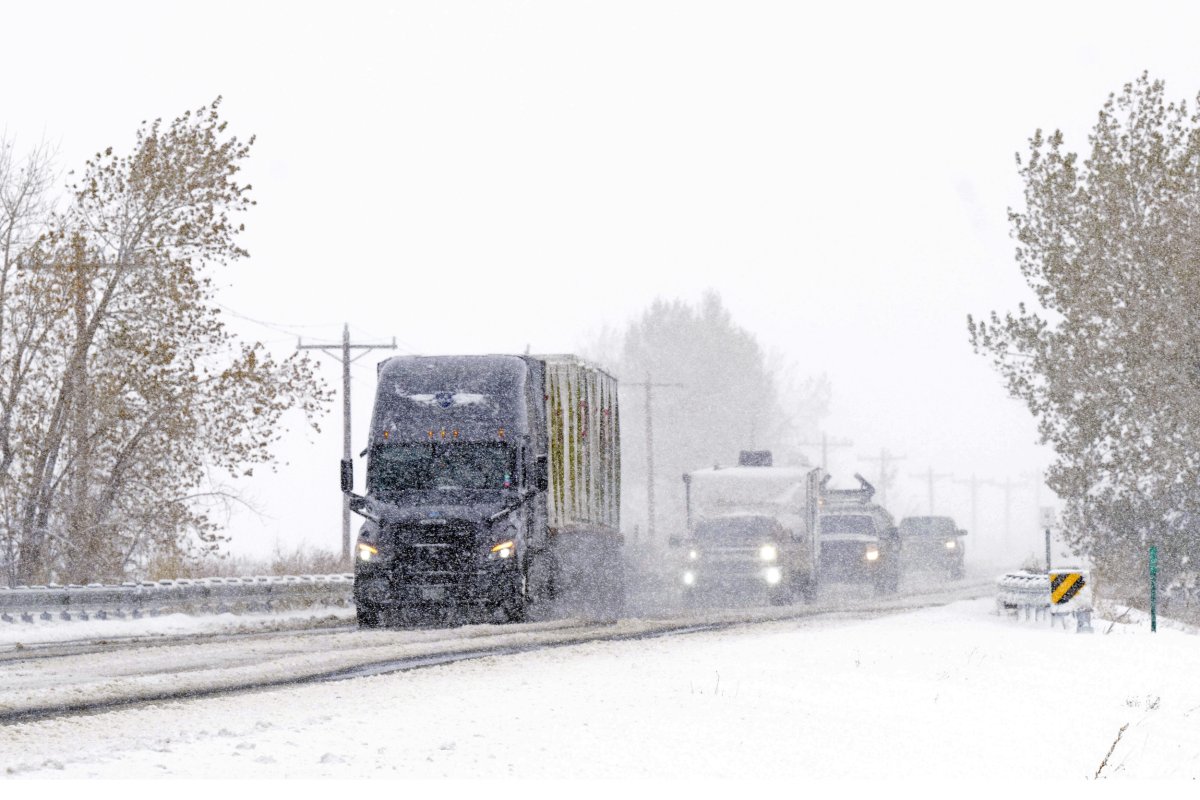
(342, 353)
(931, 477)
(883, 458)
(650, 450)
(825, 444)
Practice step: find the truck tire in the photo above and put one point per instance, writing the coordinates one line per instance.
(368, 616)
(516, 606)
(808, 589)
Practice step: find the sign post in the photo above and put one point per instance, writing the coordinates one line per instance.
(1047, 516)
(1153, 589)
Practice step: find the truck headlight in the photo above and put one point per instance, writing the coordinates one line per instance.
(504, 550)
(950, 545)
(768, 552)
(693, 555)
(366, 552)
(773, 575)
(872, 554)
(689, 578)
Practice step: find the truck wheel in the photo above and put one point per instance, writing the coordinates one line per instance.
(808, 590)
(368, 617)
(516, 607)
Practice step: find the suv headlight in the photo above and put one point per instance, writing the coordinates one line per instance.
(768, 552)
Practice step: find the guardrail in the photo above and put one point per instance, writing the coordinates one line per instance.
(1036, 595)
(189, 596)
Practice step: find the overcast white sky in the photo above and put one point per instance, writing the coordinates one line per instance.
(479, 177)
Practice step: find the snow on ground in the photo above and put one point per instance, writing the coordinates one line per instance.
(954, 695)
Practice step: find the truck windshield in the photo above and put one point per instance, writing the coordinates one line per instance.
(735, 530)
(440, 466)
(927, 526)
(847, 523)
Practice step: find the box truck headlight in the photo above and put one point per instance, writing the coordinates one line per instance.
(366, 552)
(689, 578)
(768, 552)
(503, 550)
(872, 554)
(773, 575)
(950, 545)
(693, 555)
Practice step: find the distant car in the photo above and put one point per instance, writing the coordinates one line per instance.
(932, 543)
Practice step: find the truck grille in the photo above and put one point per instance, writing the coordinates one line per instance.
(445, 557)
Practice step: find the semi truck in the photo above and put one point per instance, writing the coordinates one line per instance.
(751, 529)
(858, 538)
(492, 489)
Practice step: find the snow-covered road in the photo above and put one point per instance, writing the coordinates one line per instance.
(951, 693)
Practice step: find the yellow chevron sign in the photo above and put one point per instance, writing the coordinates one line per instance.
(1064, 586)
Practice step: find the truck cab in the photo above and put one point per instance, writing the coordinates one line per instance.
(859, 540)
(933, 544)
(749, 531)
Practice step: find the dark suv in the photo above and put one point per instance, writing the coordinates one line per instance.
(932, 543)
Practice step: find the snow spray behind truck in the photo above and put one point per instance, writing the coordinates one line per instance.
(751, 529)
(493, 486)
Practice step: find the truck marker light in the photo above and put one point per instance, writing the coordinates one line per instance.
(365, 551)
(455, 434)
(385, 434)
(774, 575)
(431, 434)
(501, 433)
(872, 555)
(443, 433)
(768, 552)
(950, 545)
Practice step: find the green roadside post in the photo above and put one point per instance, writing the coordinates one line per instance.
(1153, 589)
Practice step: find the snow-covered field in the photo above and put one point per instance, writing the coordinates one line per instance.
(952, 695)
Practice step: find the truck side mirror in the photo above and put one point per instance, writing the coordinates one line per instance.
(674, 541)
(347, 475)
(960, 532)
(542, 476)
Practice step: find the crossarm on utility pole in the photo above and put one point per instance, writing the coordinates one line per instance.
(342, 354)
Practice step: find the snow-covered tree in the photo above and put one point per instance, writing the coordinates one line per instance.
(1110, 363)
(121, 393)
(714, 392)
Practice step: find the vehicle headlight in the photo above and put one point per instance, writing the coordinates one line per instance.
(504, 549)
(872, 554)
(773, 575)
(950, 545)
(366, 552)
(768, 552)
(693, 555)
(689, 578)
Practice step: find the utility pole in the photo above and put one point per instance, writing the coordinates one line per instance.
(1008, 486)
(649, 384)
(343, 354)
(931, 477)
(883, 459)
(825, 444)
(975, 483)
